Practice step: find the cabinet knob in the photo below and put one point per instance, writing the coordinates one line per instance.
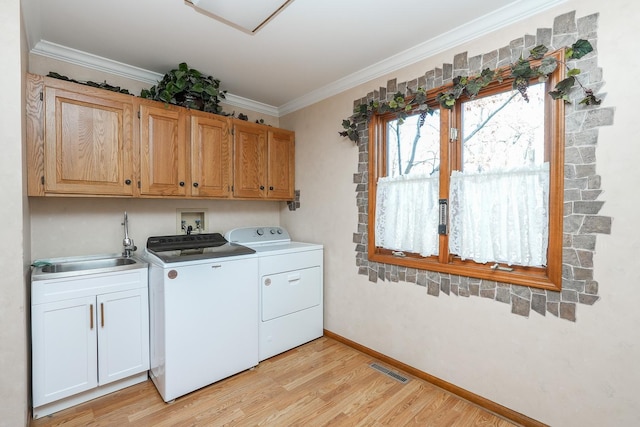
(195, 184)
(271, 188)
(181, 183)
(262, 187)
(127, 181)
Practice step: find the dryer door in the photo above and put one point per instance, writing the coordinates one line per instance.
(286, 293)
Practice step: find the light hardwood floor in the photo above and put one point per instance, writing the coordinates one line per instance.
(322, 383)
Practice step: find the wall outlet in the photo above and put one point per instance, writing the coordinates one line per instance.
(191, 221)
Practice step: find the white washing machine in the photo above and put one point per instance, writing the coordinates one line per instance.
(203, 296)
(291, 288)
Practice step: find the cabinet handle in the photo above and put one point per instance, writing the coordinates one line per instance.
(262, 187)
(102, 314)
(91, 317)
(181, 183)
(127, 181)
(195, 184)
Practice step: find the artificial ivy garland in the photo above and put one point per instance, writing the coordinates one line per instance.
(522, 72)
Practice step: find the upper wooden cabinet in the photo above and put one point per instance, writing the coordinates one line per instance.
(163, 151)
(280, 164)
(263, 162)
(210, 156)
(249, 149)
(177, 160)
(84, 141)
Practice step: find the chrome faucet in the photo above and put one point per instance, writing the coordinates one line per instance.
(129, 247)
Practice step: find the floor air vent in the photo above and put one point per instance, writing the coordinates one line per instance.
(389, 373)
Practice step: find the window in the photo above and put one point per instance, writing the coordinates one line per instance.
(476, 190)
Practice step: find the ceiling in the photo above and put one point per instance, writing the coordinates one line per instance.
(312, 49)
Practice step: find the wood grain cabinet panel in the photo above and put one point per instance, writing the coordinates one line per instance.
(280, 164)
(163, 151)
(87, 144)
(249, 149)
(85, 141)
(264, 162)
(210, 156)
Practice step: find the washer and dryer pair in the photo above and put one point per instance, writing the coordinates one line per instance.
(219, 305)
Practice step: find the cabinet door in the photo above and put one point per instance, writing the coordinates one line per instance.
(123, 334)
(64, 347)
(250, 171)
(280, 164)
(210, 157)
(163, 156)
(88, 144)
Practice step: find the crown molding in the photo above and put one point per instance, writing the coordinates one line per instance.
(250, 104)
(486, 24)
(94, 62)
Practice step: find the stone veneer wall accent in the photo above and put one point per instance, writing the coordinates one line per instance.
(582, 185)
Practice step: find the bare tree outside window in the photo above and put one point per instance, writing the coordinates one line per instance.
(503, 131)
(414, 145)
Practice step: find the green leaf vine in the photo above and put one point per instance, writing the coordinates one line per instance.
(522, 72)
(104, 85)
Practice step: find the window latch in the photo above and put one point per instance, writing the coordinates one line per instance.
(453, 134)
(443, 216)
(497, 266)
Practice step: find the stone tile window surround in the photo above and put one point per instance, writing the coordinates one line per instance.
(582, 185)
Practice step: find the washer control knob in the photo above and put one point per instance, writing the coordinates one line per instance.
(272, 231)
(279, 230)
(260, 231)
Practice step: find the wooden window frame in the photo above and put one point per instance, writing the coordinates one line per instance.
(549, 277)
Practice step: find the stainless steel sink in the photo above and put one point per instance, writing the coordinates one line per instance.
(87, 265)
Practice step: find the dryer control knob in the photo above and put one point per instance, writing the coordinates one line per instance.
(279, 231)
(272, 231)
(260, 231)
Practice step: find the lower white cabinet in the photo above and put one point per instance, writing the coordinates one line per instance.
(123, 334)
(65, 349)
(90, 336)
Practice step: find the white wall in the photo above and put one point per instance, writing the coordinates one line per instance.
(13, 257)
(558, 372)
(62, 227)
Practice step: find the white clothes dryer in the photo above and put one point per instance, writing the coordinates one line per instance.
(291, 287)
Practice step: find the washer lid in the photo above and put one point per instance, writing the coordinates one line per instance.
(177, 248)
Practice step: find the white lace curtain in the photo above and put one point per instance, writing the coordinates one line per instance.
(500, 216)
(407, 214)
(497, 216)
